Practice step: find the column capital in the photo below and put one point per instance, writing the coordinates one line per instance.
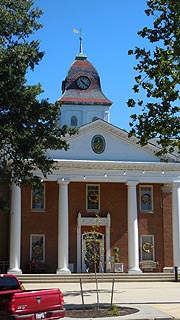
(166, 188)
(176, 184)
(132, 183)
(63, 181)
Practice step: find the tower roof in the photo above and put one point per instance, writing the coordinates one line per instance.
(92, 93)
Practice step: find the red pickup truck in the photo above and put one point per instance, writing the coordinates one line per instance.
(16, 303)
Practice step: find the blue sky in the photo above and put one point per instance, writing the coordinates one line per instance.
(109, 31)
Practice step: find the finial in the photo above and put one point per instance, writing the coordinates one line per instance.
(81, 55)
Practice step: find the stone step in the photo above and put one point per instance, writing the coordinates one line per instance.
(101, 277)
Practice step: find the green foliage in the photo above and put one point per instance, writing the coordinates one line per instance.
(116, 254)
(114, 311)
(158, 70)
(28, 127)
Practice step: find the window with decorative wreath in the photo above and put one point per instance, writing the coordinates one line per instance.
(93, 197)
(147, 247)
(146, 198)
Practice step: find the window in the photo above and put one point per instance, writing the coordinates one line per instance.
(94, 119)
(147, 247)
(38, 198)
(146, 198)
(73, 121)
(93, 197)
(37, 247)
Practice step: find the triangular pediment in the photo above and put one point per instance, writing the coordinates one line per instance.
(114, 145)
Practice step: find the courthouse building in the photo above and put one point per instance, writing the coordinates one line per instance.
(104, 172)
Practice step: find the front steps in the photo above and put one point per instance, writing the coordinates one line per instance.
(102, 277)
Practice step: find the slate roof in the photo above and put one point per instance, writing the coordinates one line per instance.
(73, 95)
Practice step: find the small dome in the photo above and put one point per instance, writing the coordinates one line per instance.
(93, 94)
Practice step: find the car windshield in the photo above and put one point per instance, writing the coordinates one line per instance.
(8, 283)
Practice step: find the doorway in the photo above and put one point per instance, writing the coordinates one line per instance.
(92, 252)
(87, 222)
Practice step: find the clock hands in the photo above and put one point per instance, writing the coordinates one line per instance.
(83, 82)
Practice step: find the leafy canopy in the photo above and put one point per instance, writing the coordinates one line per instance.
(158, 74)
(28, 127)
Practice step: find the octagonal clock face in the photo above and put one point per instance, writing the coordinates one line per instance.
(83, 83)
(98, 144)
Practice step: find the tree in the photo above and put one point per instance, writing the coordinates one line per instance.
(93, 253)
(158, 71)
(28, 127)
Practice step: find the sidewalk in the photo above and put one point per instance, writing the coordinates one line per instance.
(154, 300)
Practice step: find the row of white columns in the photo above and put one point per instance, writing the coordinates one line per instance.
(63, 228)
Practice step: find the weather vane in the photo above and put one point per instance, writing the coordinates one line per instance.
(80, 39)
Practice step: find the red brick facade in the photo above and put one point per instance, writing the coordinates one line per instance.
(113, 199)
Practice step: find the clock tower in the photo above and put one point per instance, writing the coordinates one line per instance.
(82, 99)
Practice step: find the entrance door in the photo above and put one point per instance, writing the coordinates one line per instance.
(92, 251)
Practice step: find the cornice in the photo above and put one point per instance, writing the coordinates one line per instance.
(115, 165)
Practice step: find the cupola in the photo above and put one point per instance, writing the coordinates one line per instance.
(82, 99)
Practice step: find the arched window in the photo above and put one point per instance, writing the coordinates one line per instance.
(73, 121)
(94, 119)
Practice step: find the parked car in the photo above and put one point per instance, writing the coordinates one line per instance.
(16, 303)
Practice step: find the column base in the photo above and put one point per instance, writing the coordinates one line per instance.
(63, 271)
(14, 271)
(134, 270)
(108, 267)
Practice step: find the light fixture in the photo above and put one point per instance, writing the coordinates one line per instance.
(162, 171)
(124, 173)
(105, 175)
(62, 179)
(84, 177)
(143, 172)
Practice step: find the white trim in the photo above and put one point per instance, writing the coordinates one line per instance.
(117, 165)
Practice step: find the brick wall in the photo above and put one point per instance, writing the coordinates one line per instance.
(41, 223)
(113, 199)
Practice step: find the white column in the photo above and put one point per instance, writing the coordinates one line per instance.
(176, 223)
(63, 228)
(133, 242)
(15, 230)
(108, 249)
(79, 243)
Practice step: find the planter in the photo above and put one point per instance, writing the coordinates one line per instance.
(118, 267)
